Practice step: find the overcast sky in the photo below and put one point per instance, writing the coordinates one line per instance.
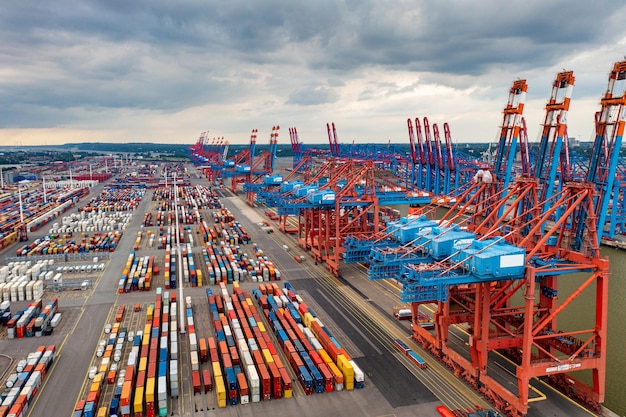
(165, 71)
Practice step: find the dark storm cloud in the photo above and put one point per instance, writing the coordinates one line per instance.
(63, 61)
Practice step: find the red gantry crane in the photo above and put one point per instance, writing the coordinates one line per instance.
(500, 275)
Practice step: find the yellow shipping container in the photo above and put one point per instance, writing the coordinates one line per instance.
(143, 364)
(235, 285)
(150, 311)
(103, 412)
(325, 356)
(99, 378)
(347, 370)
(260, 326)
(249, 301)
(337, 375)
(103, 368)
(145, 338)
(220, 391)
(199, 273)
(138, 400)
(267, 356)
(150, 384)
(95, 386)
(288, 393)
(308, 319)
(217, 369)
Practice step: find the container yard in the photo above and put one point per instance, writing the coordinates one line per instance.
(199, 311)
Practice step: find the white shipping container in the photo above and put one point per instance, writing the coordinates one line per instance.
(358, 374)
(173, 350)
(162, 389)
(246, 358)
(194, 361)
(56, 320)
(254, 384)
(193, 342)
(11, 380)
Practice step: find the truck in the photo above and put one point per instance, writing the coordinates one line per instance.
(402, 312)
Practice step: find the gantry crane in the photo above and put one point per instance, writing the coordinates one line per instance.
(499, 274)
(239, 166)
(261, 172)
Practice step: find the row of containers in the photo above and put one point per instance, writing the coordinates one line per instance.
(32, 271)
(90, 222)
(23, 280)
(142, 387)
(232, 231)
(35, 210)
(228, 263)
(35, 320)
(21, 289)
(137, 274)
(245, 364)
(115, 199)
(24, 381)
(249, 360)
(191, 197)
(167, 236)
(51, 245)
(187, 214)
(305, 340)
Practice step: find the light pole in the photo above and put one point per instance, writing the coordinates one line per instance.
(180, 259)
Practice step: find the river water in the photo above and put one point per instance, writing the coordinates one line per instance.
(580, 314)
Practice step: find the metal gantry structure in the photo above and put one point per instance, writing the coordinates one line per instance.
(261, 171)
(437, 167)
(494, 261)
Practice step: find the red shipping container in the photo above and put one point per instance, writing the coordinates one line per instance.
(234, 355)
(141, 379)
(226, 361)
(206, 378)
(257, 356)
(277, 387)
(277, 361)
(288, 348)
(247, 332)
(211, 343)
(261, 342)
(150, 410)
(284, 376)
(204, 356)
(329, 385)
(214, 355)
(242, 384)
(295, 360)
(315, 357)
(266, 383)
(195, 378)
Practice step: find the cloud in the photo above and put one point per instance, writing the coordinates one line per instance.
(99, 65)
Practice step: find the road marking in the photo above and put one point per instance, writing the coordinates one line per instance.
(352, 324)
